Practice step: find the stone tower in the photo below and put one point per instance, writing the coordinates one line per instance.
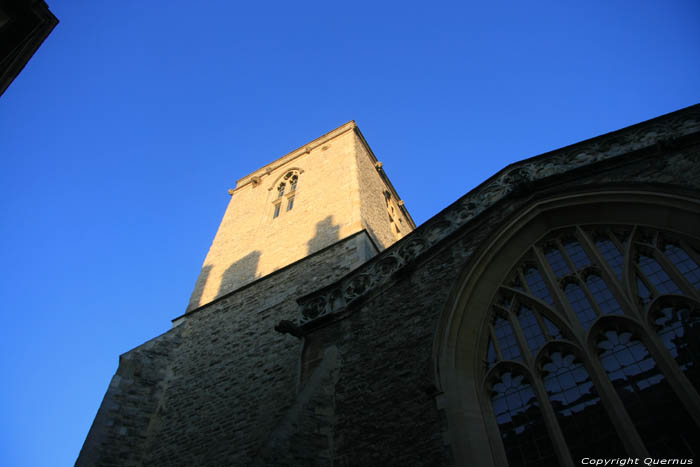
(321, 193)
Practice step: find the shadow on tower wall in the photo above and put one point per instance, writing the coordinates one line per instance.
(326, 234)
(239, 273)
(199, 287)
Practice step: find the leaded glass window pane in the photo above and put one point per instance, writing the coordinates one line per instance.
(683, 263)
(506, 339)
(520, 422)
(531, 329)
(658, 415)
(552, 329)
(576, 254)
(580, 304)
(679, 330)
(644, 293)
(611, 254)
(663, 423)
(602, 295)
(582, 418)
(658, 277)
(537, 286)
(490, 354)
(557, 262)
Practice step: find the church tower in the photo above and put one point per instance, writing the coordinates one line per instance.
(327, 191)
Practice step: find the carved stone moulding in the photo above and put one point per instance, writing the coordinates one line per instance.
(379, 269)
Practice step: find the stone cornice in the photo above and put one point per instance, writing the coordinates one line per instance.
(361, 282)
(305, 149)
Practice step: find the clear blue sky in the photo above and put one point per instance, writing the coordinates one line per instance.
(124, 131)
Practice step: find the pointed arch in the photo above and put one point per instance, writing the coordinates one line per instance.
(280, 178)
(564, 236)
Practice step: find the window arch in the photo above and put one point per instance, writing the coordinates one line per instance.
(285, 186)
(567, 282)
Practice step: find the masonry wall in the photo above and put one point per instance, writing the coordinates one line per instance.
(224, 388)
(386, 403)
(377, 210)
(212, 390)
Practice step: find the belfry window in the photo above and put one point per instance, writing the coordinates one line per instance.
(286, 188)
(573, 306)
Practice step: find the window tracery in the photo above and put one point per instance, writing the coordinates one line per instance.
(519, 419)
(585, 425)
(594, 282)
(286, 190)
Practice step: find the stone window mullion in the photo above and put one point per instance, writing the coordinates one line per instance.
(613, 404)
(690, 251)
(542, 326)
(550, 419)
(519, 335)
(629, 277)
(494, 341)
(675, 274)
(669, 367)
(608, 275)
(589, 296)
(679, 382)
(558, 294)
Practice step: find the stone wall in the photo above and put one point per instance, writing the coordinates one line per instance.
(212, 390)
(387, 404)
(338, 194)
(223, 388)
(374, 204)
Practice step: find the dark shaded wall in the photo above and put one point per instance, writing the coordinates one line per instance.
(387, 405)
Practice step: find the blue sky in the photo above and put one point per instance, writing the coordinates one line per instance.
(123, 133)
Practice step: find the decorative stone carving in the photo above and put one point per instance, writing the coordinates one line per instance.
(378, 270)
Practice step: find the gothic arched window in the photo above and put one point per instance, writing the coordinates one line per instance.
(286, 191)
(574, 305)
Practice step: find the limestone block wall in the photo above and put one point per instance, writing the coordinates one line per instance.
(375, 206)
(335, 182)
(388, 410)
(212, 390)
